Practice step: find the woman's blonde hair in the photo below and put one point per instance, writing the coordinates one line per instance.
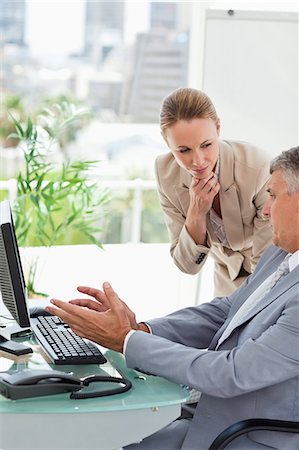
(186, 104)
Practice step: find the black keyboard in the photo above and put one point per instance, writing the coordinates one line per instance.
(63, 345)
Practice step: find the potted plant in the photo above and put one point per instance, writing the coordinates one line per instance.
(14, 104)
(53, 201)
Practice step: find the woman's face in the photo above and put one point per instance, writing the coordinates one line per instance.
(194, 144)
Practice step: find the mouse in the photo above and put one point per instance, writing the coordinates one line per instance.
(36, 311)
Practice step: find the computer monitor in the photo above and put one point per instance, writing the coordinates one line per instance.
(12, 282)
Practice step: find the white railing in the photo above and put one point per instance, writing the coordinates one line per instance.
(137, 186)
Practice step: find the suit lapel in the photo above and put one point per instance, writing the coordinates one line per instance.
(182, 190)
(286, 283)
(229, 200)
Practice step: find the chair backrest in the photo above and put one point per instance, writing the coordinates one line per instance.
(245, 426)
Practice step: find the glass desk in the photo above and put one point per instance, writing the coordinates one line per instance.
(57, 422)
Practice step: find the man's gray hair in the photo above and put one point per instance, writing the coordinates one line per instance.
(288, 162)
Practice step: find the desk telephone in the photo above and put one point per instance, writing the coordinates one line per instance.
(34, 383)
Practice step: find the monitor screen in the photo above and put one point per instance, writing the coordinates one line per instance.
(12, 282)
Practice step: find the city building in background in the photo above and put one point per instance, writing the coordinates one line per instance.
(132, 82)
(13, 49)
(12, 22)
(104, 29)
(124, 81)
(164, 15)
(119, 82)
(160, 61)
(161, 65)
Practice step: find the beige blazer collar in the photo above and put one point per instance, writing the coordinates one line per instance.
(229, 200)
(182, 189)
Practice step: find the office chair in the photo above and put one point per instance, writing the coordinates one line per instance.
(245, 426)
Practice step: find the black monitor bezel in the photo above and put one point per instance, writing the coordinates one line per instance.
(12, 255)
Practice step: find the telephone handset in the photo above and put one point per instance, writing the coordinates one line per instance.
(34, 383)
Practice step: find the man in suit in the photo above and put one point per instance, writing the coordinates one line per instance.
(241, 351)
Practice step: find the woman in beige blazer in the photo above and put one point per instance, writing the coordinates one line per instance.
(211, 191)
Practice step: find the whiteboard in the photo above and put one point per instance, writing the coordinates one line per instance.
(250, 71)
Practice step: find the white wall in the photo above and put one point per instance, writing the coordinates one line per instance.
(247, 63)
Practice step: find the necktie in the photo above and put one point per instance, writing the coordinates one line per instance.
(282, 270)
(255, 297)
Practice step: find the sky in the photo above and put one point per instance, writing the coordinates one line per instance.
(57, 26)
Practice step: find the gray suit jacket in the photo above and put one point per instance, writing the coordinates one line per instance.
(254, 372)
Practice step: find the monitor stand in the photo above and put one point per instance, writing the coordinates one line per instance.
(10, 330)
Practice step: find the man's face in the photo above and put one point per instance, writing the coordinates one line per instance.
(283, 210)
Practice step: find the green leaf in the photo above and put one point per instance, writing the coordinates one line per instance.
(13, 136)
(18, 126)
(29, 128)
(34, 199)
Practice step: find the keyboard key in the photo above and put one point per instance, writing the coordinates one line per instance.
(62, 344)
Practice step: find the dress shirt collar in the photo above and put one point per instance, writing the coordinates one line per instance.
(294, 261)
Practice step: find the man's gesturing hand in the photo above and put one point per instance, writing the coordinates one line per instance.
(101, 303)
(106, 323)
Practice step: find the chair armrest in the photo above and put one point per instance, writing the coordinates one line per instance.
(245, 426)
